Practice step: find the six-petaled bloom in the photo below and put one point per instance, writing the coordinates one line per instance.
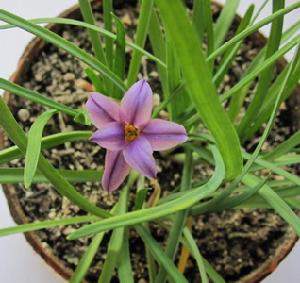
(129, 134)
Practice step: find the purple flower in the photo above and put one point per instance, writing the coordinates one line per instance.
(129, 134)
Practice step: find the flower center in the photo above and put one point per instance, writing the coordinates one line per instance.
(131, 132)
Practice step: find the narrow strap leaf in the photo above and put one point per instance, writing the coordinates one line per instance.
(141, 34)
(86, 260)
(284, 147)
(179, 218)
(248, 78)
(271, 120)
(266, 75)
(87, 13)
(125, 268)
(160, 256)
(269, 101)
(224, 21)
(33, 148)
(116, 239)
(158, 44)
(103, 31)
(107, 15)
(230, 54)
(36, 97)
(16, 175)
(277, 203)
(197, 75)
(196, 254)
(119, 62)
(45, 224)
(236, 102)
(14, 152)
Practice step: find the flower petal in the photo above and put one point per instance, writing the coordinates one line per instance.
(102, 109)
(111, 136)
(115, 171)
(138, 154)
(137, 103)
(163, 134)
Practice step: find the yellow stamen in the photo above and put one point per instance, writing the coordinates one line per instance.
(131, 132)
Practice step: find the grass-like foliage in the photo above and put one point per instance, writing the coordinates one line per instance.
(193, 55)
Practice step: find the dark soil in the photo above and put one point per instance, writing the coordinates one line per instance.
(234, 242)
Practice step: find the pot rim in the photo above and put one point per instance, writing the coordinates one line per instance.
(31, 51)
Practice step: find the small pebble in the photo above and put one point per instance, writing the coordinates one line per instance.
(23, 115)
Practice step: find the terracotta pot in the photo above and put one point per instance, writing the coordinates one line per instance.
(31, 52)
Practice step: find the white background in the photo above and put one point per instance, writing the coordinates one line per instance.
(18, 262)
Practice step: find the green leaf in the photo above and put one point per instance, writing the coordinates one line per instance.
(212, 273)
(266, 75)
(158, 44)
(268, 62)
(284, 147)
(152, 267)
(279, 205)
(179, 218)
(198, 18)
(234, 201)
(96, 82)
(203, 22)
(33, 149)
(140, 198)
(140, 38)
(139, 216)
(107, 15)
(272, 93)
(196, 73)
(271, 120)
(119, 62)
(285, 193)
(45, 224)
(116, 240)
(125, 272)
(141, 194)
(262, 6)
(160, 256)
(196, 254)
(83, 117)
(231, 53)
(60, 42)
(36, 97)
(286, 160)
(103, 31)
(86, 260)
(87, 13)
(51, 141)
(236, 102)
(253, 28)
(274, 168)
(62, 186)
(224, 21)
(178, 89)
(16, 175)
(174, 79)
